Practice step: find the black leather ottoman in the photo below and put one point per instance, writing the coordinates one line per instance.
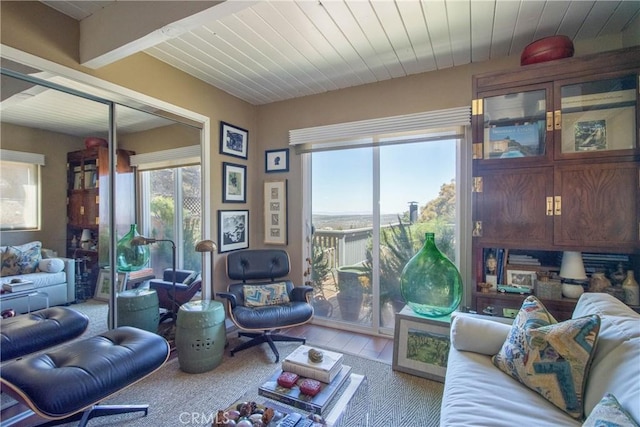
(28, 333)
(72, 379)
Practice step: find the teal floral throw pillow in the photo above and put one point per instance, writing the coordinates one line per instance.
(551, 358)
(261, 295)
(609, 413)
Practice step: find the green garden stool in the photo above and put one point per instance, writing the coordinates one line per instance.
(139, 308)
(200, 336)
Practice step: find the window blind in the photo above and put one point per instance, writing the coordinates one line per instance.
(183, 156)
(22, 157)
(387, 130)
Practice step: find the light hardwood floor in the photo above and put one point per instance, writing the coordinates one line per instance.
(378, 348)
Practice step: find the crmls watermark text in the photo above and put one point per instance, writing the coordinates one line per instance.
(199, 418)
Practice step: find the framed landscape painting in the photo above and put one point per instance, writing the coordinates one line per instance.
(233, 230)
(233, 140)
(421, 345)
(103, 285)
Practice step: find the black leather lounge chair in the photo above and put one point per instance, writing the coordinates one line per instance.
(261, 313)
(68, 382)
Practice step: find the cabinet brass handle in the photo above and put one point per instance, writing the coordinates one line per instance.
(549, 121)
(549, 206)
(558, 120)
(81, 210)
(558, 205)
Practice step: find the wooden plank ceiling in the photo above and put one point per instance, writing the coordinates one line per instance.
(270, 51)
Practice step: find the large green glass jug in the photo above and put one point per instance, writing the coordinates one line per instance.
(131, 258)
(430, 283)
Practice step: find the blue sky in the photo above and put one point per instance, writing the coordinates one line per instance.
(342, 180)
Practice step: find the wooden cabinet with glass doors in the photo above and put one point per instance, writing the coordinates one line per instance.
(556, 156)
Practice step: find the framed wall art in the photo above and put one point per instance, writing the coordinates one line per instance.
(233, 230)
(233, 140)
(275, 212)
(421, 345)
(276, 160)
(103, 285)
(522, 279)
(234, 181)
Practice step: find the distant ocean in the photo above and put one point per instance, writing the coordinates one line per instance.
(349, 221)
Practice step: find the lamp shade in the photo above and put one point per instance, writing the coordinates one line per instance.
(86, 235)
(572, 266)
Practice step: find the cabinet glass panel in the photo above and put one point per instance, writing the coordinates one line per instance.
(515, 125)
(599, 115)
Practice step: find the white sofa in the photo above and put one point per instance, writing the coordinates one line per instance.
(476, 393)
(59, 285)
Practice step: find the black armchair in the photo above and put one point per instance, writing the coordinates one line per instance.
(183, 292)
(261, 305)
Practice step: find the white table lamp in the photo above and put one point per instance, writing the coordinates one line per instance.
(572, 268)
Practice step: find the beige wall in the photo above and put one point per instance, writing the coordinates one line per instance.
(39, 30)
(54, 146)
(162, 138)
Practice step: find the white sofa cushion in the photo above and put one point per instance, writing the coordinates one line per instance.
(40, 280)
(484, 336)
(477, 394)
(51, 265)
(616, 363)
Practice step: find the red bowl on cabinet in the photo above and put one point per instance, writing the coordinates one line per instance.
(94, 141)
(547, 49)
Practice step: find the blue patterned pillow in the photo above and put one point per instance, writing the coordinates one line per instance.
(261, 295)
(553, 359)
(609, 413)
(22, 259)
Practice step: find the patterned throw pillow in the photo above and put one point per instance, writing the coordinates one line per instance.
(22, 259)
(609, 413)
(261, 295)
(553, 359)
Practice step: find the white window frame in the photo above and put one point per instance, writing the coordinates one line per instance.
(33, 162)
(372, 133)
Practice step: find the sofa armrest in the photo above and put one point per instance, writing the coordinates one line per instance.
(70, 272)
(478, 334)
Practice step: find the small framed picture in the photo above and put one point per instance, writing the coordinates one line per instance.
(421, 345)
(233, 230)
(233, 140)
(234, 181)
(103, 286)
(521, 279)
(275, 212)
(276, 160)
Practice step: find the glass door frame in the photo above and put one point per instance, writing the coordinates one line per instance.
(114, 94)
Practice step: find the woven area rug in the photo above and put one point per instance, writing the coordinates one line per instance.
(386, 397)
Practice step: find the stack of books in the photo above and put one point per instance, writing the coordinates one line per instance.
(331, 373)
(18, 286)
(298, 362)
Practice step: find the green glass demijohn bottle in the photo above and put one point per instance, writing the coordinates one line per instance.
(129, 257)
(430, 283)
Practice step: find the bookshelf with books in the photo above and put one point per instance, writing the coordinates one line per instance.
(572, 186)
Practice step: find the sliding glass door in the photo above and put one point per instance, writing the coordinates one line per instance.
(171, 209)
(370, 209)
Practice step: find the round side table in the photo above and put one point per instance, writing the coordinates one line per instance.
(200, 336)
(139, 308)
